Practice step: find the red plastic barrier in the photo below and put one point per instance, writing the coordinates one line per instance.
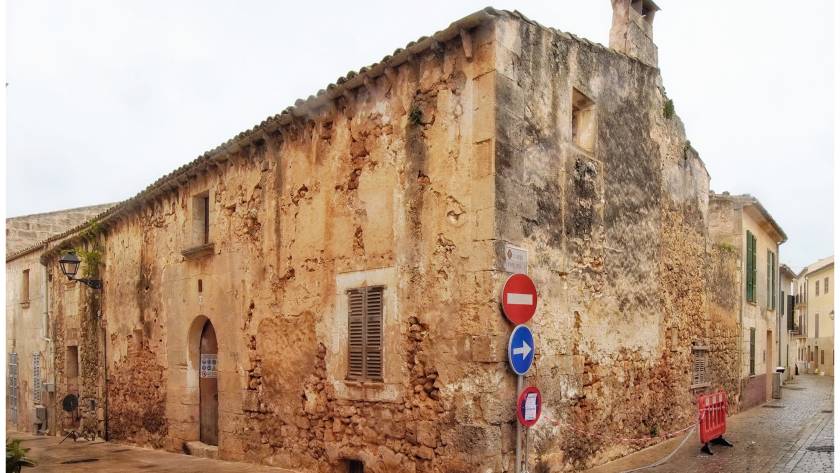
(712, 409)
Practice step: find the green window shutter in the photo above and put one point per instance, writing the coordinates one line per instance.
(773, 281)
(769, 271)
(751, 267)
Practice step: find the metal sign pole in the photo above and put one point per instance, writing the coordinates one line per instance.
(518, 468)
(525, 454)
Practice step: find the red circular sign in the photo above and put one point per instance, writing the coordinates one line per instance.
(529, 406)
(519, 298)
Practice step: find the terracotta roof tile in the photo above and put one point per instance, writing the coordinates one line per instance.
(348, 81)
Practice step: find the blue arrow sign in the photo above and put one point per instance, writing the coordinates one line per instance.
(521, 349)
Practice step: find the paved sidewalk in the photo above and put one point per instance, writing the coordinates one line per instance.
(99, 456)
(775, 437)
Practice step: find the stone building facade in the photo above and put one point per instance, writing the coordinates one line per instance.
(746, 235)
(30, 379)
(27, 230)
(815, 308)
(787, 353)
(378, 210)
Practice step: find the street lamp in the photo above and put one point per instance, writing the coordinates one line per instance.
(70, 265)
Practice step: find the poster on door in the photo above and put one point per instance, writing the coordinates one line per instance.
(208, 365)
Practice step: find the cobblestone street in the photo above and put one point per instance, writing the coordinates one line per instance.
(99, 456)
(790, 435)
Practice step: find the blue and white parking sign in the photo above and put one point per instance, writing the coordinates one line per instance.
(521, 349)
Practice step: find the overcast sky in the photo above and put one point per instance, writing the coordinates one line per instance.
(116, 94)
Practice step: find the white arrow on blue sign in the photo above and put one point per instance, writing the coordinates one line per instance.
(521, 349)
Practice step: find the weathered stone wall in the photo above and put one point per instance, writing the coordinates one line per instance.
(75, 316)
(394, 187)
(27, 230)
(413, 182)
(616, 239)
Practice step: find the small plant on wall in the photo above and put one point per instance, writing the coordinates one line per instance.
(91, 259)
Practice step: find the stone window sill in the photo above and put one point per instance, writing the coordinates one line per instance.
(199, 251)
(370, 391)
(364, 384)
(701, 385)
(25, 304)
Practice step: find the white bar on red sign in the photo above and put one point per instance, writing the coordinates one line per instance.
(520, 299)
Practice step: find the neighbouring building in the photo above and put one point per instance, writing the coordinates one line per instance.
(24, 231)
(786, 323)
(815, 312)
(29, 358)
(747, 237)
(321, 291)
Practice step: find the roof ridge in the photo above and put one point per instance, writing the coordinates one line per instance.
(301, 108)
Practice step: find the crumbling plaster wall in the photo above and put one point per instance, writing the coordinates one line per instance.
(616, 240)
(725, 289)
(396, 182)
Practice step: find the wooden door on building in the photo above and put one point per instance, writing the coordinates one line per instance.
(208, 386)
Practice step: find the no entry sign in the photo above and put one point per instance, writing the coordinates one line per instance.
(529, 406)
(519, 298)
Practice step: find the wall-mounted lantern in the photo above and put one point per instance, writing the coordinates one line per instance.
(70, 265)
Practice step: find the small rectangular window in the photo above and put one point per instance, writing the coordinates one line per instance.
(825, 286)
(700, 360)
(817, 325)
(817, 287)
(355, 466)
(822, 357)
(71, 362)
(201, 219)
(583, 121)
(364, 333)
(752, 352)
(24, 287)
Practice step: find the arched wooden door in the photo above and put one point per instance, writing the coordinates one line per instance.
(208, 386)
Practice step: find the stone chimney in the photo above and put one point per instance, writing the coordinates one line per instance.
(632, 29)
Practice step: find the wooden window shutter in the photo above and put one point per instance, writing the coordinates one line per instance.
(356, 333)
(700, 375)
(769, 272)
(373, 333)
(751, 267)
(752, 351)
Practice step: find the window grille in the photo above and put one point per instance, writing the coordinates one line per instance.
(700, 360)
(36, 378)
(364, 334)
(13, 388)
(752, 352)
